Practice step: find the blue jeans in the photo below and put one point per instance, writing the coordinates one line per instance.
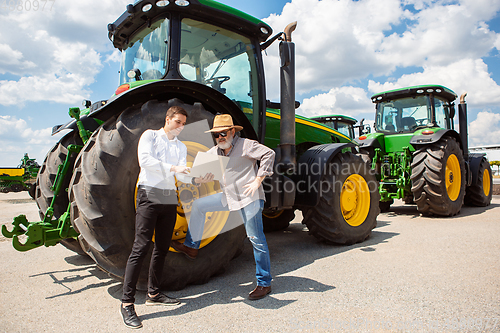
(252, 218)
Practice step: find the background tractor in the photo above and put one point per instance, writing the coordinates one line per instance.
(207, 58)
(418, 155)
(344, 124)
(21, 178)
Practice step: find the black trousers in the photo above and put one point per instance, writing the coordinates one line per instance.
(150, 217)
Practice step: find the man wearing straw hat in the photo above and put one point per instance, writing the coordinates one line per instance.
(241, 191)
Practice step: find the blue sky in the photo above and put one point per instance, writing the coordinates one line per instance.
(347, 50)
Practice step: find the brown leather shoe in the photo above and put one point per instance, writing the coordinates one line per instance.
(188, 252)
(259, 292)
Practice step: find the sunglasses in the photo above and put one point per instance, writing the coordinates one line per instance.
(221, 134)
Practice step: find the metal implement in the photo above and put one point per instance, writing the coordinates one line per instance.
(20, 178)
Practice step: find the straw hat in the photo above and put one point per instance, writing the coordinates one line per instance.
(224, 122)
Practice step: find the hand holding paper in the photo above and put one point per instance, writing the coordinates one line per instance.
(205, 163)
(201, 180)
(180, 169)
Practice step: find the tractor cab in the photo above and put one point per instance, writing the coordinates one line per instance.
(407, 110)
(203, 42)
(343, 124)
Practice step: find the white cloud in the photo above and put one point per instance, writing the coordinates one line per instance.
(115, 56)
(349, 101)
(336, 41)
(10, 57)
(485, 130)
(466, 75)
(55, 51)
(339, 43)
(442, 33)
(13, 129)
(17, 138)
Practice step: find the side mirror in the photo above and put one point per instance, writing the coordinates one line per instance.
(452, 110)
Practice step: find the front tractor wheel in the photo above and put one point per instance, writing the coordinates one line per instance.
(102, 195)
(349, 202)
(480, 193)
(438, 178)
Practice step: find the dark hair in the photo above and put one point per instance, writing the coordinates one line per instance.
(173, 110)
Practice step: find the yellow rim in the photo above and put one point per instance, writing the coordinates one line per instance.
(272, 214)
(187, 194)
(355, 200)
(486, 182)
(453, 177)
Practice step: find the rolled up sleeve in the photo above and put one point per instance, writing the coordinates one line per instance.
(265, 155)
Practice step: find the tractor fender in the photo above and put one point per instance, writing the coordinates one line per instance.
(368, 143)
(188, 91)
(310, 168)
(420, 140)
(474, 162)
(89, 123)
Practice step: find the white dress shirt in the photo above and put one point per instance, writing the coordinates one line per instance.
(157, 154)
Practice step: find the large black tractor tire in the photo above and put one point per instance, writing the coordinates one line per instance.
(45, 180)
(438, 178)
(277, 220)
(103, 200)
(349, 202)
(480, 193)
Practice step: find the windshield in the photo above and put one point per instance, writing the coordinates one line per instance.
(147, 52)
(221, 59)
(345, 129)
(403, 115)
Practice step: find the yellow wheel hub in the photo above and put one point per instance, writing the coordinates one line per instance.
(273, 214)
(453, 177)
(486, 182)
(355, 200)
(187, 194)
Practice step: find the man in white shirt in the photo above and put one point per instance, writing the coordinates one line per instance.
(161, 156)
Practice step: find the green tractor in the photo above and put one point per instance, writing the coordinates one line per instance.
(419, 156)
(343, 124)
(21, 178)
(207, 58)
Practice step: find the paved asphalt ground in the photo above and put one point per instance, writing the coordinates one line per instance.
(414, 274)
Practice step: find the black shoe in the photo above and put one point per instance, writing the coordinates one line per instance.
(130, 318)
(161, 299)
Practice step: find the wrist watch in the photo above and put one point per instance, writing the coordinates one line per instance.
(194, 183)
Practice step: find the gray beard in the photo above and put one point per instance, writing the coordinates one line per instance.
(225, 145)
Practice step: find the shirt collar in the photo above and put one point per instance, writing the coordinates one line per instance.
(164, 135)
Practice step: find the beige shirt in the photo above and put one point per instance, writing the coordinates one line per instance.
(242, 169)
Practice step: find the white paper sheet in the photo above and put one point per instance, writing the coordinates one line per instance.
(209, 163)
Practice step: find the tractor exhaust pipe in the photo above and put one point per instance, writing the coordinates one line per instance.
(287, 99)
(462, 119)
